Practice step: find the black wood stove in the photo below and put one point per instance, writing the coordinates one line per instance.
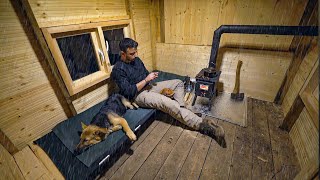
(206, 84)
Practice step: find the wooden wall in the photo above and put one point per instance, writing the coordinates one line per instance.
(300, 78)
(61, 12)
(29, 105)
(305, 138)
(305, 131)
(140, 14)
(194, 21)
(261, 74)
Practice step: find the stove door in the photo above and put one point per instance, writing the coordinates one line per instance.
(204, 89)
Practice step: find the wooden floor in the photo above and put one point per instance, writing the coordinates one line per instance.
(167, 150)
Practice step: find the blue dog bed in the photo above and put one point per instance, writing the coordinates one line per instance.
(61, 142)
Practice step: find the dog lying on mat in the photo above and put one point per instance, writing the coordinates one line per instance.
(106, 121)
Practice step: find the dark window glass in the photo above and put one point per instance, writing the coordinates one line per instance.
(79, 55)
(113, 36)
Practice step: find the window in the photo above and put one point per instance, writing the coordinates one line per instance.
(113, 38)
(84, 53)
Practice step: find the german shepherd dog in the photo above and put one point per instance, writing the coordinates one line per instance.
(106, 121)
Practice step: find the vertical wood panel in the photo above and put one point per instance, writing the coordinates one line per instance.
(193, 22)
(305, 138)
(140, 14)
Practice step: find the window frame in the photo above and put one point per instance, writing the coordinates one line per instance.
(97, 38)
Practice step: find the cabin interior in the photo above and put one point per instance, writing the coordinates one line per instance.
(279, 78)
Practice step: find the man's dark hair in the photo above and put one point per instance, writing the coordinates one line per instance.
(127, 43)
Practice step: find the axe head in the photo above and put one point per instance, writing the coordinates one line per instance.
(237, 96)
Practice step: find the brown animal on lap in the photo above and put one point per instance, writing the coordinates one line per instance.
(167, 92)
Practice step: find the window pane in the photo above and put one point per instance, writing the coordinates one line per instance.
(113, 36)
(79, 55)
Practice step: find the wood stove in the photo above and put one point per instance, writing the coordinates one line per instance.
(206, 84)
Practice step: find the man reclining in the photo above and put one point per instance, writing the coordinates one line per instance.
(133, 78)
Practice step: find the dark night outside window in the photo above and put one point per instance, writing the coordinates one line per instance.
(113, 36)
(79, 55)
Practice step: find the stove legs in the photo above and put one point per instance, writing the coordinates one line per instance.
(194, 99)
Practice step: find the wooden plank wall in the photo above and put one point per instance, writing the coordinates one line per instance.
(60, 12)
(29, 106)
(304, 133)
(301, 76)
(194, 21)
(140, 14)
(261, 74)
(305, 138)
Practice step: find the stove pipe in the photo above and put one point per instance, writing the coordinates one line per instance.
(252, 29)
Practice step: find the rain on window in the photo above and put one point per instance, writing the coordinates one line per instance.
(85, 53)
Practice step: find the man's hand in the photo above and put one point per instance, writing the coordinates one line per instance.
(152, 76)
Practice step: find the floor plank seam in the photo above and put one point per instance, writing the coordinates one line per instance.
(154, 147)
(187, 155)
(171, 124)
(272, 160)
(230, 166)
(205, 159)
(135, 149)
(170, 153)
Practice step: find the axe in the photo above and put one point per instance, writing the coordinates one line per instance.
(235, 94)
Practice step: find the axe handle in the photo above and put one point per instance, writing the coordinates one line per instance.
(237, 83)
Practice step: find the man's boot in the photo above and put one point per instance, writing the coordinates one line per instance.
(209, 128)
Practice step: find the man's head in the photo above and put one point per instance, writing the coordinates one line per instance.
(128, 49)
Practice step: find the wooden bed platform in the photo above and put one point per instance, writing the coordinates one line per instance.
(167, 150)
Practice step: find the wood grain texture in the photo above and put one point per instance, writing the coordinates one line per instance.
(262, 162)
(8, 167)
(158, 156)
(123, 158)
(34, 170)
(173, 164)
(133, 163)
(307, 94)
(30, 105)
(46, 161)
(242, 148)
(286, 165)
(193, 22)
(305, 138)
(293, 114)
(58, 12)
(218, 160)
(140, 15)
(301, 76)
(192, 167)
(301, 46)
